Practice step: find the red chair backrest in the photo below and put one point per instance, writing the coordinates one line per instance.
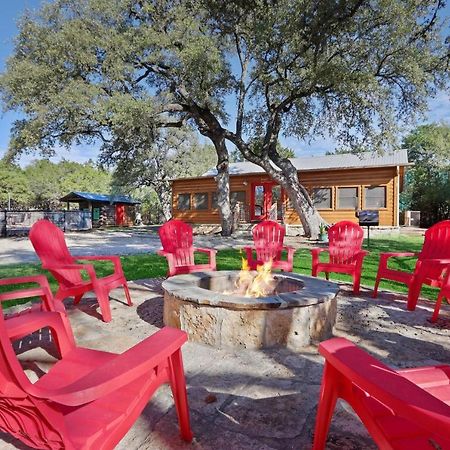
(437, 241)
(435, 246)
(177, 238)
(31, 420)
(345, 241)
(268, 237)
(50, 245)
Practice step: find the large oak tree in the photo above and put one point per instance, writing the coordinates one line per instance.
(240, 71)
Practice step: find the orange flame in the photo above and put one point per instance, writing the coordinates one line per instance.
(260, 284)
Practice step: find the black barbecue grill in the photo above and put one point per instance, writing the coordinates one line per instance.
(368, 218)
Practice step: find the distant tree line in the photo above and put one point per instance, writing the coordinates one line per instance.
(427, 186)
(41, 184)
(242, 74)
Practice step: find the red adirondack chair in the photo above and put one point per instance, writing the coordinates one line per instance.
(268, 237)
(177, 242)
(21, 324)
(50, 245)
(402, 410)
(89, 399)
(431, 262)
(345, 254)
(443, 293)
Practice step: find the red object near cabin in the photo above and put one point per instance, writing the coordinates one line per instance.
(120, 215)
(50, 245)
(268, 238)
(431, 263)
(89, 399)
(345, 254)
(177, 242)
(402, 410)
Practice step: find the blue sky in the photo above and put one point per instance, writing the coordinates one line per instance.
(439, 108)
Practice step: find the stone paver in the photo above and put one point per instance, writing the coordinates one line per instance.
(250, 399)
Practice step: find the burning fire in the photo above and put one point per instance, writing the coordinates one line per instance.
(259, 284)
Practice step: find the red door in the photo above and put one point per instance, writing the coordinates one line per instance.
(120, 215)
(266, 201)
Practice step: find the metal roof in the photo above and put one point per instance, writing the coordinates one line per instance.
(101, 198)
(328, 162)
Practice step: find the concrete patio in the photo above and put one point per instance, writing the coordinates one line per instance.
(249, 399)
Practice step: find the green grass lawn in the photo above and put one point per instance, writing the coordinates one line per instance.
(152, 266)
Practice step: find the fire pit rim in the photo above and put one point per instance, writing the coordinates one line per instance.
(186, 287)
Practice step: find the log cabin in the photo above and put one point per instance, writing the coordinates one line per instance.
(338, 184)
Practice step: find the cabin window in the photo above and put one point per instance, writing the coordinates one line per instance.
(347, 198)
(375, 197)
(184, 202)
(237, 197)
(201, 201)
(214, 204)
(321, 198)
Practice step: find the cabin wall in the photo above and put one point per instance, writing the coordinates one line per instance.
(387, 177)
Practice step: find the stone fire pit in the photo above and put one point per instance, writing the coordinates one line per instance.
(300, 312)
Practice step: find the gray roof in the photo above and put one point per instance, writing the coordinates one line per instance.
(328, 162)
(100, 198)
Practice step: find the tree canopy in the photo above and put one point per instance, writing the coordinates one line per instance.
(428, 181)
(42, 183)
(142, 161)
(82, 69)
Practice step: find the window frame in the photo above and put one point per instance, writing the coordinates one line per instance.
(366, 186)
(193, 202)
(358, 198)
(189, 194)
(330, 188)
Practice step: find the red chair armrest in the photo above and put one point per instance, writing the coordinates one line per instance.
(316, 251)
(162, 253)
(212, 255)
(290, 253)
(120, 371)
(21, 325)
(383, 383)
(113, 258)
(437, 261)
(249, 254)
(43, 290)
(398, 255)
(385, 256)
(315, 256)
(39, 279)
(89, 268)
(205, 250)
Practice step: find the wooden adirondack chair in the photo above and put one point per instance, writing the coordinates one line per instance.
(402, 410)
(431, 262)
(177, 242)
(50, 245)
(346, 256)
(268, 237)
(89, 399)
(443, 293)
(21, 324)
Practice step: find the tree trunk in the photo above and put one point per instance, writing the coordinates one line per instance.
(300, 199)
(164, 194)
(282, 171)
(223, 187)
(209, 126)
